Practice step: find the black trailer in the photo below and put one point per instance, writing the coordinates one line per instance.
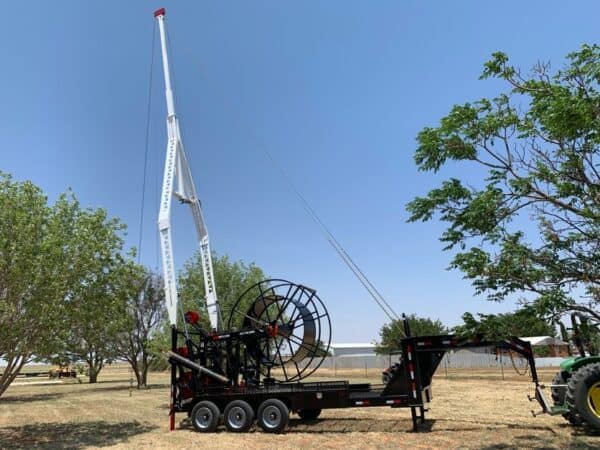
(271, 402)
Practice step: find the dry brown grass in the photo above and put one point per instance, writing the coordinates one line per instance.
(470, 409)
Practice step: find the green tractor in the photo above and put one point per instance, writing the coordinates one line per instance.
(576, 387)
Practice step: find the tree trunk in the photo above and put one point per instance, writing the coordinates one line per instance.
(144, 370)
(136, 370)
(95, 366)
(11, 371)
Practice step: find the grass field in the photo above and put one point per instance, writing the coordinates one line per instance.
(470, 409)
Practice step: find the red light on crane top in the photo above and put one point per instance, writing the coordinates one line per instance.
(159, 12)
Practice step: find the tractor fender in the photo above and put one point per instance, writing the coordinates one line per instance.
(573, 364)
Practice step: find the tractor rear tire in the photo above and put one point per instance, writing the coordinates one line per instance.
(273, 415)
(238, 416)
(309, 414)
(573, 416)
(205, 416)
(587, 394)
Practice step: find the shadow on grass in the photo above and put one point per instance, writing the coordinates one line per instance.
(355, 424)
(122, 386)
(70, 435)
(402, 425)
(323, 426)
(535, 443)
(30, 398)
(445, 425)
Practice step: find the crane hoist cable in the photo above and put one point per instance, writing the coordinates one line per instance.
(146, 146)
(335, 244)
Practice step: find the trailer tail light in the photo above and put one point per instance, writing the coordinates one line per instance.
(362, 403)
(393, 402)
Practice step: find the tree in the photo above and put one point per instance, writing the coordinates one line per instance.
(47, 256)
(392, 333)
(96, 307)
(521, 323)
(146, 316)
(33, 276)
(231, 279)
(535, 152)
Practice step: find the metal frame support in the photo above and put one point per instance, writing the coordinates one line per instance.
(173, 381)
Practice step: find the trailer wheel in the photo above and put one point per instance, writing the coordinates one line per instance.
(273, 415)
(309, 414)
(238, 416)
(587, 394)
(205, 416)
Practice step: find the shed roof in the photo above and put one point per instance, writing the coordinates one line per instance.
(543, 340)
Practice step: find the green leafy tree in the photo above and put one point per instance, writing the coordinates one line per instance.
(52, 263)
(146, 319)
(393, 332)
(33, 274)
(535, 150)
(96, 310)
(232, 280)
(521, 323)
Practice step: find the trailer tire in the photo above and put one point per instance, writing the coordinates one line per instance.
(273, 415)
(238, 416)
(386, 377)
(587, 394)
(205, 416)
(309, 414)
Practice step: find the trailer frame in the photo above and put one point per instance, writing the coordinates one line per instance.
(409, 387)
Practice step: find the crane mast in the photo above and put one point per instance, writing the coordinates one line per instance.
(177, 167)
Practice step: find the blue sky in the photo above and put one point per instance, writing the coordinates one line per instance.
(336, 91)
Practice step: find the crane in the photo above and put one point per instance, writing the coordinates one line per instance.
(177, 168)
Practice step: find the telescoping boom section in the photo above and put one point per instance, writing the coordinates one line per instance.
(177, 168)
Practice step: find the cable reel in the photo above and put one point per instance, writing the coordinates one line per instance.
(295, 325)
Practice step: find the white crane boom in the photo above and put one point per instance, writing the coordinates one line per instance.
(176, 166)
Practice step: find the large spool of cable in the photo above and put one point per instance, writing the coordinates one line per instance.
(295, 324)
